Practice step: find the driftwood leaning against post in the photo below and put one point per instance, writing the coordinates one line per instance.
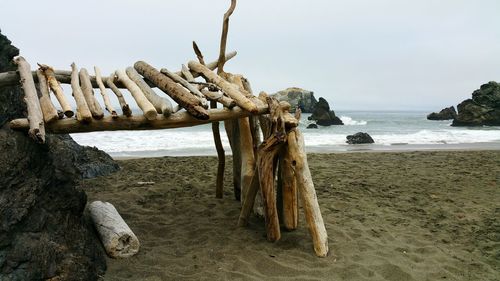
(35, 116)
(48, 109)
(123, 104)
(88, 93)
(174, 90)
(162, 105)
(116, 236)
(147, 108)
(102, 89)
(308, 193)
(82, 110)
(56, 89)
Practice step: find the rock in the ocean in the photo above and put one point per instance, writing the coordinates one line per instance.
(297, 97)
(448, 113)
(312, 126)
(482, 109)
(43, 233)
(359, 138)
(323, 115)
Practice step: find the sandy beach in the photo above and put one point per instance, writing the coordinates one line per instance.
(389, 215)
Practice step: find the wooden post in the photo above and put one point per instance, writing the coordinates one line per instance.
(82, 110)
(116, 236)
(174, 90)
(161, 104)
(219, 188)
(35, 116)
(110, 81)
(186, 85)
(102, 89)
(88, 93)
(289, 191)
(147, 108)
(48, 109)
(233, 135)
(230, 89)
(305, 185)
(56, 89)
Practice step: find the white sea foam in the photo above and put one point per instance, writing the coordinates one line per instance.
(348, 121)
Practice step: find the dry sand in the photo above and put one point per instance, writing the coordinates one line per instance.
(389, 216)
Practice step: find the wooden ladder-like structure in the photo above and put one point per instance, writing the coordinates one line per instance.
(245, 115)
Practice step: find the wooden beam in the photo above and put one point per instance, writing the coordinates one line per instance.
(107, 103)
(56, 89)
(35, 116)
(147, 108)
(48, 109)
(191, 88)
(82, 109)
(110, 82)
(88, 93)
(176, 120)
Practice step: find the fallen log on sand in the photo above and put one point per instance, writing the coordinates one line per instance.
(117, 238)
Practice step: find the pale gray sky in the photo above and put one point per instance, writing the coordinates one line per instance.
(358, 54)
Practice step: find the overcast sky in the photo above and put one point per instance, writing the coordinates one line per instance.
(358, 54)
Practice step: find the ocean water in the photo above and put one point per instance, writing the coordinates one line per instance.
(391, 130)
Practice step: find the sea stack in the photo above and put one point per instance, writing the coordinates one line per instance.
(448, 113)
(482, 109)
(323, 115)
(297, 97)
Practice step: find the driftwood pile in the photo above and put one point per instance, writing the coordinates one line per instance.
(256, 162)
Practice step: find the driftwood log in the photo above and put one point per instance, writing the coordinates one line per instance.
(231, 90)
(162, 105)
(307, 192)
(116, 236)
(48, 109)
(147, 108)
(194, 90)
(233, 135)
(35, 116)
(82, 110)
(56, 89)
(289, 194)
(107, 102)
(219, 97)
(88, 93)
(174, 90)
(110, 82)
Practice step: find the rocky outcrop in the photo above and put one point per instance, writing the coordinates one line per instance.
(359, 138)
(297, 97)
(43, 233)
(312, 126)
(482, 109)
(323, 115)
(448, 113)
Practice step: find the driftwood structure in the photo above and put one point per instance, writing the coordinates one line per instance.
(257, 162)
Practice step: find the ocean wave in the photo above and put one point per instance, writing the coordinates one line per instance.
(350, 122)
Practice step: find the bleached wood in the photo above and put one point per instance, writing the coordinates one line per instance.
(48, 109)
(211, 65)
(35, 116)
(82, 110)
(56, 89)
(147, 108)
(289, 191)
(233, 135)
(219, 97)
(186, 73)
(162, 105)
(307, 192)
(107, 102)
(176, 120)
(88, 93)
(110, 82)
(194, 90)
(174, 90)
(116, 236)
(230, 89)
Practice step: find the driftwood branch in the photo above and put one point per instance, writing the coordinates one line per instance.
(48, 109)
(223, 39)
(123, 104)
(82, 110)
(161, 104)
(147, 108)
(191, 88)
(174, 90)
(35, 116)
(102, 89)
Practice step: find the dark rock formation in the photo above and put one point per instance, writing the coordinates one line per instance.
(482, 109)
(323, 115)
(43, 233)
(312, 126)
(448, 113)
(359, 138)
(297, 97)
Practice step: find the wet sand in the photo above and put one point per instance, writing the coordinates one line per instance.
(389, 216)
